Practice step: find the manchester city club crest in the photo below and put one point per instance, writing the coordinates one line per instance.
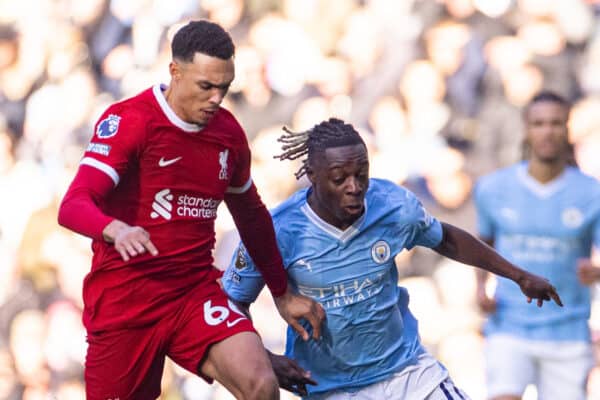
(108, 127)
(572, 217)
(380, 252)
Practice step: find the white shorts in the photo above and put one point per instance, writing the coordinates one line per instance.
(558, 369)
(426, 380)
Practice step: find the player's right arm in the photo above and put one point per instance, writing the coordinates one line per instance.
(485, 228)
(116, 140)
(486, 303)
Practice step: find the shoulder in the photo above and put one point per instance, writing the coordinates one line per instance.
(124, 114)
(227, 127)
(289, 219)
(577, 174)
(383, 190)
(497, 180)
(290, 208)
(387, 198)
(586, 183)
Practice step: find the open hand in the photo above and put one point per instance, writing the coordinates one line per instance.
(536, 287)
(129, 241)
(294, 307)
(290, 375)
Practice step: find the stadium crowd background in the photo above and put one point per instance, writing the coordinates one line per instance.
(434, 86)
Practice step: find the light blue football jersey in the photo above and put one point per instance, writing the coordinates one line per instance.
(369, 333)
(543, 228)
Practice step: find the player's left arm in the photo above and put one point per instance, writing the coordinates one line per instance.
(463, 247)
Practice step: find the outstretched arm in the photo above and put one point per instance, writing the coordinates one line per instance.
(463, 247)
(485, 303)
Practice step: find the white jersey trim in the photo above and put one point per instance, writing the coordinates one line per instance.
(240, 189)
(107, 169)
(157, 90)
(337, 233)
(543, 190)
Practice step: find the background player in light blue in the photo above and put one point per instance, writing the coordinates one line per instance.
(544, 215)
(338, 239)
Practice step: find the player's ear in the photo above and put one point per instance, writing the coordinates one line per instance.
(175, 70)
(310, 174)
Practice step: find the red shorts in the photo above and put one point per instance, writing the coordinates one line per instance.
(128, 364)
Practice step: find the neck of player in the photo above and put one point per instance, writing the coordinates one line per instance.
(545, 171)
(320, 208)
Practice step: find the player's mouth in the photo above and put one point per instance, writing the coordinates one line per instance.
(208, 113)
(353, 209)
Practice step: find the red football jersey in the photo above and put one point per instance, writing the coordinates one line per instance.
(170, 177)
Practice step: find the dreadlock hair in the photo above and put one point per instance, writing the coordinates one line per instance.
(202, 37)
(325, 135)
(549, 96)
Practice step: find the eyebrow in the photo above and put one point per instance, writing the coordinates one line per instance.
(222, 86)
(341, 165)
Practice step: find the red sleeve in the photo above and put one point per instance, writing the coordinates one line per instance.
(240, 178)
(118, 138)
(80, 209)
(256, 230)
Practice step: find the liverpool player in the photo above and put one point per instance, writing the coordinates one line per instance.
(147, 192)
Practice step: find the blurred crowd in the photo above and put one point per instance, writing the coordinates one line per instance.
(434, 86)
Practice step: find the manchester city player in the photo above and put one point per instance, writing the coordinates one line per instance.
(544, 215)
(338, 239)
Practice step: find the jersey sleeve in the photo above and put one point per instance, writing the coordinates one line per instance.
(117, 141)
(241, 179)
(485, 225)
(422, 228)
(596, 220)
(242, 281)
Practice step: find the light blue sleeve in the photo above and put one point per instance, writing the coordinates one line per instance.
(424, 229)
(485, 225)
(242, 281)
(596, 231)
(595, 201)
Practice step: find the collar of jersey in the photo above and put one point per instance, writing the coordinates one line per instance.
(157, 90)
(341, 235)
(541, 189)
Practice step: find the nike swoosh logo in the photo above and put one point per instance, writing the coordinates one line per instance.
(163, 163)
(230, 324)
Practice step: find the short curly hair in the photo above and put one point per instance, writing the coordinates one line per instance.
(204, 37)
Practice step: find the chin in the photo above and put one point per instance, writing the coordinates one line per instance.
(550, 159)
(200, 121)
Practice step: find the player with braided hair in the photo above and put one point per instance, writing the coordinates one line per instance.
(338, 239)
